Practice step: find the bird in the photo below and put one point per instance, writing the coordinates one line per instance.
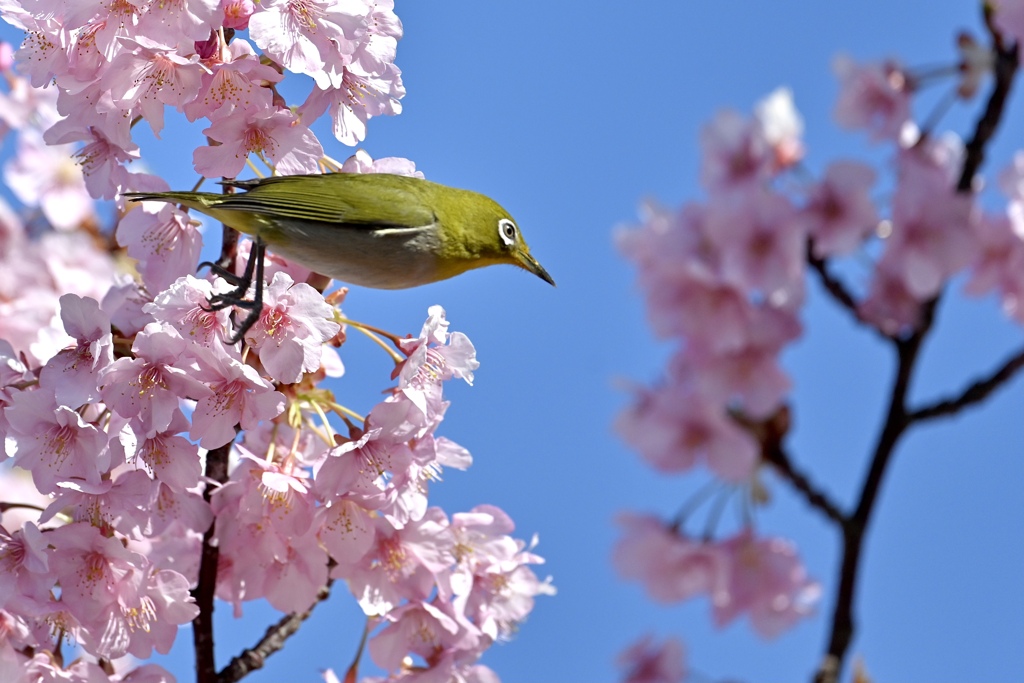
(376, 230)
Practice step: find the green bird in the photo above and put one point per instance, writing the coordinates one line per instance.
(374, 229)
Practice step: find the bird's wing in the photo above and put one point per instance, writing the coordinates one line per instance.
(339, 198)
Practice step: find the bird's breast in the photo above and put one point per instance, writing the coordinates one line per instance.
(385, 258)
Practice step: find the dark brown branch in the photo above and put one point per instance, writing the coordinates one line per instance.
(769, 433)
(217, 471)
(975, 393)
(273, 640)
(1005, 68)
(815, 497)
(202, 625)
(832, 285)
(898, 417)
(896, 423)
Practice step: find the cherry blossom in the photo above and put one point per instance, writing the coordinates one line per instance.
(875, 97)
(149, 385)
(839, 214)
(114, 388)
(292, 328)
(765, 578)
(671, 566)
(279, 135)
(647, 661)
(54, 442)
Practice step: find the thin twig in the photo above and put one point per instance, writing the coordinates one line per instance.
(835, 287)
(1007, 61)
(975, 393)
(273, 640)
(815, 497)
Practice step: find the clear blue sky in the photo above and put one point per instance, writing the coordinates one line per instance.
(569, 113)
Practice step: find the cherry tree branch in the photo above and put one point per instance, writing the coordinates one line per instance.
(1007, 61)
(896, 423)
(832, 284)
(273, 640)
(898, 417)
(206, 587)
(975, 393)
(815, 497)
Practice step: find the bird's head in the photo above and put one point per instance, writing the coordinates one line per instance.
(479, 232)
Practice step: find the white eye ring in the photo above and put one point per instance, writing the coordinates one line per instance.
(507, 231)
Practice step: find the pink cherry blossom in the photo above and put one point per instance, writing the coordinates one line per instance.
(416, 627)
(379, 45)
(237, 13)
(166, 243)
(436, 355)
(347, 530)
(1009, 17)
(147, 75)
(184, 305)
(235, 79)
(766, 579)
(107, 145)
(759, 243)
(402, 563)
(123, 605)
(355, 100)
(163, 19)
(1000, 262)
(671, 566)
(277, 134)
(73, 374)
(933, 231)
(150, 384)
(890, 306)
(24, 560)
(292, 328)
(48, 177)
(6, 56)
(647, 661)
(125, 303)
(839, 214)
(734, 153)
(310, 36)
(168, 457)
(53, 442)
(503, 591)
(674, 427)
(361, 467)
(875, 97)
(362, 162)
(265, 528)
(120, 504)
(680, 272)
(237, 395)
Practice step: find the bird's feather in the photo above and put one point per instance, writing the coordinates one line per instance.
(349, 199)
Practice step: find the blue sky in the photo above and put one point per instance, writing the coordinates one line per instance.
(569, 114)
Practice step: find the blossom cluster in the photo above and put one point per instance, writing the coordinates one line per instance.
(116, 63)
(116, 383)
(725, 277)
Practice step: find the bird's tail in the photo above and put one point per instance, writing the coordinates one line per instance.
(193, 200)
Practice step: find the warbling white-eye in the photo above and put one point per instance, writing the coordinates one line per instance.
(370, 229)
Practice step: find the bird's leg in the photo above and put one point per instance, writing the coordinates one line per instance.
(256, 305)
(241, 283)
(236, 297)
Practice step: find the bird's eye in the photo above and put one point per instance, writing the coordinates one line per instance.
(507, 231)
